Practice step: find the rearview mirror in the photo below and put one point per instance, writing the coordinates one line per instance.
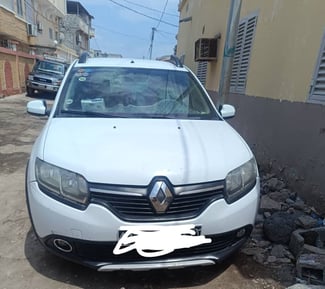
(37, 107)
(227, 111)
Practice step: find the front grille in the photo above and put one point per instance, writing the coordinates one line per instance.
(103, 251)
(41, 79)
(188, 201)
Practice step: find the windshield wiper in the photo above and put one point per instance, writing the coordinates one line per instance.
(90, 113)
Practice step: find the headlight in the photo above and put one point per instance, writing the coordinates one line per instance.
(57, 82)
(30, 77)
(62, 183)
(241, 180)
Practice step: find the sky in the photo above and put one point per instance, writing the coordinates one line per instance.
(119, 30)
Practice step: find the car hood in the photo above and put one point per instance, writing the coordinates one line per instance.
(133, 151)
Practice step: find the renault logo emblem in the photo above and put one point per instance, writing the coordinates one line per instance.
(160, 197)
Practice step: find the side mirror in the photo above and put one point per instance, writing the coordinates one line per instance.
(227, 111)
(37, 107)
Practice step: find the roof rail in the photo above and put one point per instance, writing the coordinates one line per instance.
(172, 59)
(54, 58)
(83, 57)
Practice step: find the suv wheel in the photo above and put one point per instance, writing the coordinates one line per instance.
(30, 92)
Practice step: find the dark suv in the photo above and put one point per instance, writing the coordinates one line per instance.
(46, 76)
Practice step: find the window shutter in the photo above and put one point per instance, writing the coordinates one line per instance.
(318, 87)
(237, 56)
(202, 68)
(244, 43)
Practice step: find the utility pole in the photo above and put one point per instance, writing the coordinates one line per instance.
(229, 52)
(151, 43)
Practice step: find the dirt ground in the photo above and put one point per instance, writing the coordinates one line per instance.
(25, 264)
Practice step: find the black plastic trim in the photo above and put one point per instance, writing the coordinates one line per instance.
(132, 257)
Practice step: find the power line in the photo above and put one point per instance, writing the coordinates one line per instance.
(148, 8)
(140, 13)
(95, 40)
(162, 14)
(165, 32)
(124, 34)
(120, 33)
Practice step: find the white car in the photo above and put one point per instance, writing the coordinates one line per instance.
(136, 169)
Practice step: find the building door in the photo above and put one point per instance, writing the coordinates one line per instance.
(317, 89)
(244, 43)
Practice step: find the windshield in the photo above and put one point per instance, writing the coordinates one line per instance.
(133, 92)
(46, 66)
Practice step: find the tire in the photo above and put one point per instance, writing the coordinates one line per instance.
(30, 92)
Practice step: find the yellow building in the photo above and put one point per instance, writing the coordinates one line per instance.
(277, 83)
(281, 45)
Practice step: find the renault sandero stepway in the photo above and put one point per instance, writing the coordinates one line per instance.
(136, 169)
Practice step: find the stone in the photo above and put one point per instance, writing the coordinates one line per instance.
(299, 204)
(278, 227)
(311, 267)
(306, 222)
(305, 286)
(267, 214)
(258, 254)
(272, 184)
(278, 251)
(248, 251)
(268, 176)
(293, 195)
(281, 196)
(259, 258)
(269, 205)
(257, 233)
(291, 211)
(308, 241)
(271, 259)
(290, 201)
(259, 219)
(286, 192)
(263, 244)
(284, 260)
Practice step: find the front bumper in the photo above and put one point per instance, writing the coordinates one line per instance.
(99, 255)
(46, 87)
(94, 232)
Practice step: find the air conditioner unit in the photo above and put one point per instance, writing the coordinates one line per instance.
(31, 29)
(206, 49)
(39, 26)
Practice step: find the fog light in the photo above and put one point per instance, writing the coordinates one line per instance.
(62, 245)
(241, 233)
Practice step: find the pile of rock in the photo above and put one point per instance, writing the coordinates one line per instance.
(278, 237)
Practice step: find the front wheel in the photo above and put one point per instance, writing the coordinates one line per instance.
(30, 92)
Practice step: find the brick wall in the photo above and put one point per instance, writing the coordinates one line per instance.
(14, 68)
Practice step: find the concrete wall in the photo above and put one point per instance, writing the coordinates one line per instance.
(287, 138)
(60, 5)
